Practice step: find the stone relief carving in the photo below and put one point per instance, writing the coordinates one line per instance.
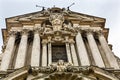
(56, 19)
(61, 66)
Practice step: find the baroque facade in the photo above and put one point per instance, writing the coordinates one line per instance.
(57, 44)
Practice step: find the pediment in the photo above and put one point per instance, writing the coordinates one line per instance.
(38, 17)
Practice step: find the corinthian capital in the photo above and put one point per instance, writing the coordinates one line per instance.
(71, 41)
(44, 41)
(88, 31)
(99, 33)
(25, 31)
(12, 33)
(36, 31)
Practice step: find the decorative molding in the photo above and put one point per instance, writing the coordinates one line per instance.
(61, 66)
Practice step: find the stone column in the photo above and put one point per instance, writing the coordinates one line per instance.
(44, 52)
(8, 52)
(82, 53)
(49, 53)
(21, 55)
(94, 49)
(110, 56)
(49, 50)
(68, 50)
(35, 56)
(73, 52)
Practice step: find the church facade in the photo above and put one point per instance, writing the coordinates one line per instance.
(57, 44)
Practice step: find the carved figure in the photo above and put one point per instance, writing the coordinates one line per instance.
(61, 66)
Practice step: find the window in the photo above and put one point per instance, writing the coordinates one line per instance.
(59, 53)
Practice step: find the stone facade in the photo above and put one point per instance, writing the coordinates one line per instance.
(55, 44)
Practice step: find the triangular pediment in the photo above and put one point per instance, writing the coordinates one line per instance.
(40, 15)
(37, 17)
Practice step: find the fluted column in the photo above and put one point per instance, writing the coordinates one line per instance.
(94, 49)
(110, 56)
(35, 56)
(73, 52)
(68, 50)
(82, 53)
(20, 60)
(8, 52)
(44, 52)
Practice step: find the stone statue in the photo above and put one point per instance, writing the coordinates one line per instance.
(61, 66)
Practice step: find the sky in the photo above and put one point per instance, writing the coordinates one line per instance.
(109, 9)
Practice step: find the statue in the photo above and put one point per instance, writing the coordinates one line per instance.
(61, 66)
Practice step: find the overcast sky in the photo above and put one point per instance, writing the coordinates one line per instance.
(109, 9)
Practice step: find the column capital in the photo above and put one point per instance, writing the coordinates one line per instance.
(25, 31)
(36, 31)
(12, 33)
(99, 33)
(71, 41)
(88, 31)
(67, 39)
(78, 29)
(44, 41)
(49, 39)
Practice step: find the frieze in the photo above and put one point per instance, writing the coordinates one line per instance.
(61, 66)
(84, 70)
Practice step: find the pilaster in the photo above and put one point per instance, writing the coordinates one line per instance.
(49, 50)
(73, 52)
(44, 52)
(68, 49)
